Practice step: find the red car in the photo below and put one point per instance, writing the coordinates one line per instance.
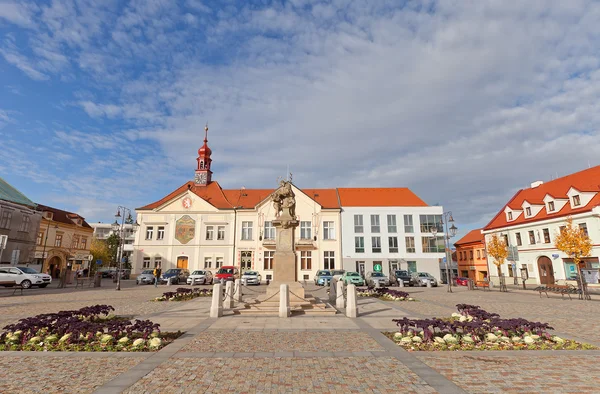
(227, 272)
(462, 281)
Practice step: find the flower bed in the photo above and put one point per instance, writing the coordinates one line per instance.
(383, 293)
(87, 329)
(184, 294)
(475, 329)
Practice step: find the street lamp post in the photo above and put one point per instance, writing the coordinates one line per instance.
(44, 249)
(116, 227)
(448, 233)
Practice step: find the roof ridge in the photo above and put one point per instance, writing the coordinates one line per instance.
(19, 193)
(502, 210)
(222, 193)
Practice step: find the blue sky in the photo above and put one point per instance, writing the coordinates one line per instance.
(103, 103)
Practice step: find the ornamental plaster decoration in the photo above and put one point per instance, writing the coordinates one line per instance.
(185, 229)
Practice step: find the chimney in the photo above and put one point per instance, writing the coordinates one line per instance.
(536, 184)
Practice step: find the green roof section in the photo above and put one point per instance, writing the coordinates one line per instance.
(9, 193)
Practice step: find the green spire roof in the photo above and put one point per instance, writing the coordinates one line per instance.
(9, 193)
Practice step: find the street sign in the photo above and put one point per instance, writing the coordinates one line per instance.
(377, 267)
(98, 261)
(444, 259)
(123, 259)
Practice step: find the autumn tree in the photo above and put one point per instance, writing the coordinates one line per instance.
(498, 250)
(100, 250)
(575, 243)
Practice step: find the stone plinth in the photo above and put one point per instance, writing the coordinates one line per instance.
(297, 294)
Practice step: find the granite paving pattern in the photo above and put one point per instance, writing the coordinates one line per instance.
(282, 375)
(304, 341)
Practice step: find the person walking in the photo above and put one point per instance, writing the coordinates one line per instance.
(157, 272)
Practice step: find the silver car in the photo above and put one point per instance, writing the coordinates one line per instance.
(200, 277)
(373, 277)
(145, 278)
(423, 277)
(251, 277)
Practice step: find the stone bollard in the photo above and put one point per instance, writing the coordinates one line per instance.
(238, 290)
(223, 281)
(332, 292)
(284, 301)
(245, 281)
(169, 282)
(216, 307)
(401, 282)
(428, 283)
(229, 295)
(351, 308)
(377, 284)
(339, 301)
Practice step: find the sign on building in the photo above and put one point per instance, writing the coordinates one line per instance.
(513, 253)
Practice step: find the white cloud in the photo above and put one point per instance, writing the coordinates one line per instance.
(17, 13)
(23, 64)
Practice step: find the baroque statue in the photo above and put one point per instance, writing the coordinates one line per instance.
(284, 200)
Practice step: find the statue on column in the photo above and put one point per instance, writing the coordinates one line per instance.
(284, 201)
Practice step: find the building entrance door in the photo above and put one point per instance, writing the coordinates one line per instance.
(182, 262)
(360, 268)
(546, 271)
(246, 257)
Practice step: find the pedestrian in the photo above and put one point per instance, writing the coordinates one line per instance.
(157, 272)
(85, 272)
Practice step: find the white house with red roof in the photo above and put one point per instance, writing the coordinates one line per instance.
(530, 221)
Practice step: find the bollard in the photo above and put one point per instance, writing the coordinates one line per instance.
(169, 282)
(216, 307)
(238, 290)
(284, 301)
(339, 301)
(223, 281)
(401, 282)
(377, 284)
(351, 308)
(428, 283)
(245, 281)
(229, 295)
(332, 293)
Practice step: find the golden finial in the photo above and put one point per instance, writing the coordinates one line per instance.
(206, 132)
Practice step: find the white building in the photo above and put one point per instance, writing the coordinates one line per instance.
(389, 228)
(531, 220)
(104, 230)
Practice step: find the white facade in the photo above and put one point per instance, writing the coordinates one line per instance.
(104, 230)
(388, 227)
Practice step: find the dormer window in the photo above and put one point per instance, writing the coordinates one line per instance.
(576, 200)
(510, 217)
(528, 211)
(551, 206)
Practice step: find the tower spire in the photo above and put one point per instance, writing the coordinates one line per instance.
(203, 173)
(206, 133)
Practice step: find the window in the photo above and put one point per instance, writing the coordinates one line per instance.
(6, 218)
(528, 211)
(329, 260)
(479, 254)
(220, 233)
(430, 221)
(83, 243)
(246, 231)
(208, 262)
(410, 245)
(562, 228)
(483, 253)
(305, 230)
(58, 240)
(576, 201)
(219, 262)
(391, 222)
(146, 262)
(359, 244)
(269, 230)
(210, 230)
(510, 216)
(531, 238)
(411, 266)
(551, 206)
(328, 230)
(546, 236)
(432, 245)
(40, 238)
(268, 263)
(25, 223)
(408, 224)
(393, 243)
(375, 228)
(470, 254)
(358, 224)
(75, 242)
(376, 244)
(306, 260)
(518, 236)
(583, 227)
(149, 232)
(160, 232)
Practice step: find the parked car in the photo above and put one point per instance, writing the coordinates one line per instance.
(252, 277)
(405, 277)
(462, 281)
(337, 274)
(107, 272)
(145, 278)
(354, 278)
(200, 277)
(24, 277)
(227, 272)
(423, 277)
(373, 277)
(125, 274)
(177, 275)
(323, 277)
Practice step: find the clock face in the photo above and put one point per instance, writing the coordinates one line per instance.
(200, 178)
(186, 202)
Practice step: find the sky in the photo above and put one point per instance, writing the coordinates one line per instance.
(103, 103)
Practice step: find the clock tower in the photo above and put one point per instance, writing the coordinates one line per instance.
(203, 173)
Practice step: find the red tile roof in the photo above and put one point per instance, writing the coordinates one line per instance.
(585, 181)
(473, 236)
(379, 197)
(58, 215)
(247, 198)
(212, 194)
(326, 198)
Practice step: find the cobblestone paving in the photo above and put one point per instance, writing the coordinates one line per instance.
(554, 373)
(279, 375)
(306, 341)
(31, 374)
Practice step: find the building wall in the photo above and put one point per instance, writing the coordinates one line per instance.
(529, 254)
(21, 244)
(424, 261)
(472, 261)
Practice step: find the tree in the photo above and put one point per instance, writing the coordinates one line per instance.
(574, 242)
(498, 250)
(100, 250)
(113, 241)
